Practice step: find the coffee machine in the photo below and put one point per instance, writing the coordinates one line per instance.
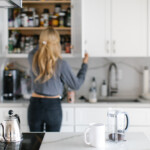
(11, 85)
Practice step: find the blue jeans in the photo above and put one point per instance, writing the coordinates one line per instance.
(44, 112)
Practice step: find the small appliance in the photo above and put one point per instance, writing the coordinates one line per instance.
(11, 85)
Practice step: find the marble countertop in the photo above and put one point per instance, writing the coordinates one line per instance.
(81, 103)
(74, 141)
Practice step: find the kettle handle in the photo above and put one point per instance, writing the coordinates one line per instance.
(127, 121)
(3, 132)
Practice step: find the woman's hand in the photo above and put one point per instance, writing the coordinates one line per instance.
(86, 58)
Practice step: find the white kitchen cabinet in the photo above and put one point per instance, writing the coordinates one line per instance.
(67, 122)
(116, 28)
(94, 28)
(74, 31)
(139, 118)
(129, 28)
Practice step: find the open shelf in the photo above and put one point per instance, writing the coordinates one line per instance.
(39, 28)
(21, 55)
(47, 2)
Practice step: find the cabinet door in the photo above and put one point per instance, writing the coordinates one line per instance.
(129, 28)
(3, 31)
(68, 116)
(76, 27)
(94, 39)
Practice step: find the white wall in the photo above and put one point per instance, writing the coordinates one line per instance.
(131, 68)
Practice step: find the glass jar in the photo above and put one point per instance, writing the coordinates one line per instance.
(55, 21)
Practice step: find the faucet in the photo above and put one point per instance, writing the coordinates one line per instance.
(111, 89)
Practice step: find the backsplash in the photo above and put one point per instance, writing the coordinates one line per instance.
(130, 73)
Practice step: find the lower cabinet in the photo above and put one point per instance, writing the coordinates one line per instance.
(77, 119)
(67, 122)
(139, 118)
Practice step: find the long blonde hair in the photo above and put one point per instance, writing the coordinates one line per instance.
(45, 58)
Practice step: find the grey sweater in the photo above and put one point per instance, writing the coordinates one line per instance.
(63, 75)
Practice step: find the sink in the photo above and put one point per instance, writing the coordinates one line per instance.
(119, 101)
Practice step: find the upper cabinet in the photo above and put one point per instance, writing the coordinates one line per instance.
(129, 28)
(103, 28)
(116, 28)
(25, 25)
(94, 39)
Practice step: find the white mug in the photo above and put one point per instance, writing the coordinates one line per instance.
(94, 135)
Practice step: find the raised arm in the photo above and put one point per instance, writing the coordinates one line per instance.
(69, 78)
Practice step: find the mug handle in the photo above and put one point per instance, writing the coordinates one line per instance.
(85, 136)
(127, 121)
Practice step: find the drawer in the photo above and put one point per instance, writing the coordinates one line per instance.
(85, 116)
(138, 116)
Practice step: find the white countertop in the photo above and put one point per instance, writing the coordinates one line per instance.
(81, 103)
(74, 141)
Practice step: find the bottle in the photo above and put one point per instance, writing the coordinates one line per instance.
(57, 10)
(93, 83)
(61, 19)
(68, 18)
(93, 91)
(46, 17)
(145, 80)
(92, 95)
(104, 89)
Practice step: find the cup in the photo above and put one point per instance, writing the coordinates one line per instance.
(71, 96)
(94, 135)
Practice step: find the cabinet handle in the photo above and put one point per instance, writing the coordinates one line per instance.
(66, 116)
(72, 47)
(114, 46)
(107, 46)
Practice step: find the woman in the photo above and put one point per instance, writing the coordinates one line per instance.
(49, 73)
